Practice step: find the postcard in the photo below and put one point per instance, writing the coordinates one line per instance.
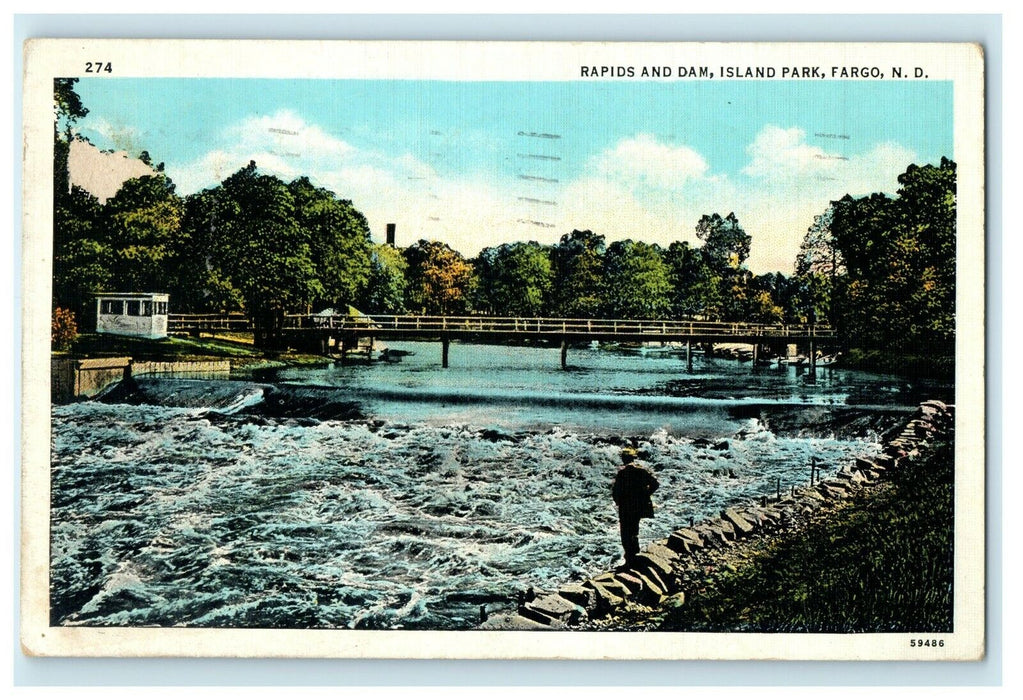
(503, 350)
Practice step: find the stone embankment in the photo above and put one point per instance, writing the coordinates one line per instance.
(660, 576)
(73, 379)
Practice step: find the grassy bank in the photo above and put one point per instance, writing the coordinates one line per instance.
(237, 348)
(925, 366)
(879, 562)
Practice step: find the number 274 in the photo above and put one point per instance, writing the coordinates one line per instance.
(98, 67)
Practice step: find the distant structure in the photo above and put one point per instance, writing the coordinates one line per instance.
(390, 234)
(140, 315)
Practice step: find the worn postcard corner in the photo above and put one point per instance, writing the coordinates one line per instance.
(503, 350)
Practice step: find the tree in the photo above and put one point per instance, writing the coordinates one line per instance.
(202, 280)
(81, 256)
(385, 291)
(81, 252)
(725, 249)
(515, 279)
(899, 255)
(143, 224)
(339, 243)
(819, 265)
(636, 281)
(67, 110)
(578, 275)
(439, 279)
(695, 289)
(263, 250)
(725, 244)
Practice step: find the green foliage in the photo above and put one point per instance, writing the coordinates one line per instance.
(386, 289)
(339, 243)
(63, 329)
(440, 280)
(900, 253)
(725, 244)
(81, 254)
(143, 225)
(636, 281)
(578, 275)
(515, 279)
(695, 289)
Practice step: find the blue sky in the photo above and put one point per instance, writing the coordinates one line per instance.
(477, 163)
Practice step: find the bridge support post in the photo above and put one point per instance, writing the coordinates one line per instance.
(444, 344)
(756, 354)
(564, 354)
(689, 355)
(343, 347)
(813, 360)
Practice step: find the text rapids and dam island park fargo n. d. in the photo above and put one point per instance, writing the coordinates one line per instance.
(753, 72)
(498, 350)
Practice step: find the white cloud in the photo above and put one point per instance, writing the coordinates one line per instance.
(642, 160)
(778, 152)
(640, 187)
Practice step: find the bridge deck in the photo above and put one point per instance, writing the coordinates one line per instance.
(505, 328)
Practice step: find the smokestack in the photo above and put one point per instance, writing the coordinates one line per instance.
(390, 234)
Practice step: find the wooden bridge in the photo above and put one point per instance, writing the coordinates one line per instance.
(344, 332)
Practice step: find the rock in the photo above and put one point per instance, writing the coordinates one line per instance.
(650, 594)
(534, 615)
(666, 582)
(726, 528)
(630, 580)
(662, 552)
(650, 559)
(813, 494)
(872, 465)
(832, 488)
(685, 540)
(512, 621)
(579, 594)
(554, 607)
(612, 584)
(742, 526)
(884, 461)
(607, 598)
(712, 537)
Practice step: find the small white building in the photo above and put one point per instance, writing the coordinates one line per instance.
(141, 315)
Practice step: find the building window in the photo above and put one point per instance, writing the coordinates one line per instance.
(112, 307)
(161, 308)
(134, 308)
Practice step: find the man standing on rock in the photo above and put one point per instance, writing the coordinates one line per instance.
(631, 492)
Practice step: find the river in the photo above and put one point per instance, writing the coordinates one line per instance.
(405, 496)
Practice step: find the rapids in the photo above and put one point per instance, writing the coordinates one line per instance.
(402, 495)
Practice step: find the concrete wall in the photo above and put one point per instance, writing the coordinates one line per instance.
(72, 379)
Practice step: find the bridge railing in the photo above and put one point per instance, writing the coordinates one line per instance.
(182, 323)
(498, 325)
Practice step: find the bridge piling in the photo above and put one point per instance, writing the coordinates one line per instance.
(564, 354)
(689, 355)
(444, 344)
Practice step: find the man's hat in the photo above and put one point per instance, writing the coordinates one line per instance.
(629, 454)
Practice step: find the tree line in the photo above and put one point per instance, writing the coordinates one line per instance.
(878, 268)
